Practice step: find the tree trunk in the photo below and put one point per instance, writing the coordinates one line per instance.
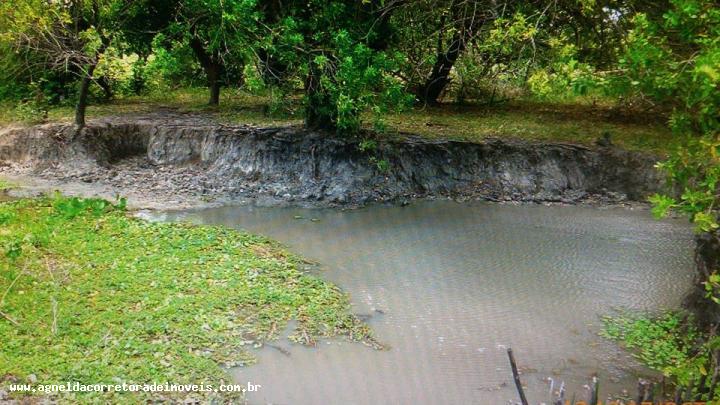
(439, 78)
(213, 68)
(318, 111)
(104, 83)
(213, 74)
(82, 102)
(81, 106)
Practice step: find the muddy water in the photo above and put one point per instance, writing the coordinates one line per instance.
(448, 286)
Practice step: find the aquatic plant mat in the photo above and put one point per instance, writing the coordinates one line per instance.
(90, 294)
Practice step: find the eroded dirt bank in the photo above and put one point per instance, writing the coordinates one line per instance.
(164, 160)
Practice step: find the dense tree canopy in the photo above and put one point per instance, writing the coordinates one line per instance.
(350, 61)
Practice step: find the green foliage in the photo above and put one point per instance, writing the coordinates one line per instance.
(357, 60)
(498, 61)
(695, 168)
(676, 61)
(368, 145)
(70, 207)
(5, 185)
(712, 288)
(666, 343)
(25, 73)
(335, 49)
(359, 80)
(564, 76)
(382, 165)
(351, 58)
(97, 296)
(226, 27)
(30, 111)
(170, 65)
(119, 71)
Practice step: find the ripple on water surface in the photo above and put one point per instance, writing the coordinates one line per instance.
(455, 284)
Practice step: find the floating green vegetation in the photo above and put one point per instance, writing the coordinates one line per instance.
(92, 295)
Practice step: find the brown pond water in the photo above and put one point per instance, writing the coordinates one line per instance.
(448, 286)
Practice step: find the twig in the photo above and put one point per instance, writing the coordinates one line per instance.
(2, 300)
(516, 377)
(641, 391)
(6, 316)
(561, 395)
(594, 391)
(54, 311)
(48, 266)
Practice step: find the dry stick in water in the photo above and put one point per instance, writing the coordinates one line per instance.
(516, 377)
(594, 391)
(561, 395)
(641, 391)
(678, 395)
(650, 393)
(551, 393)
(661, 394)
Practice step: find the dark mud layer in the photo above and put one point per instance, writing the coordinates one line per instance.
(181, 157)
(707, 263)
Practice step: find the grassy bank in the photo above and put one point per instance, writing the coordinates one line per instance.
(578, 122)
(90, 294)
(668, 343)
(557, 122)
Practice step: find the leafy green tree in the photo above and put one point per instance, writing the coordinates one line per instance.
(221, 34)
(675, 61)
(71, 35)
(172, 64)
(339, 50)
(145, 20)
(439, 34)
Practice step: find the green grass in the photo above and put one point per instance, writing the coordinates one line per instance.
(576, 122)
(236, 106)
(90, 294)
(5, 185)
(530, 120)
